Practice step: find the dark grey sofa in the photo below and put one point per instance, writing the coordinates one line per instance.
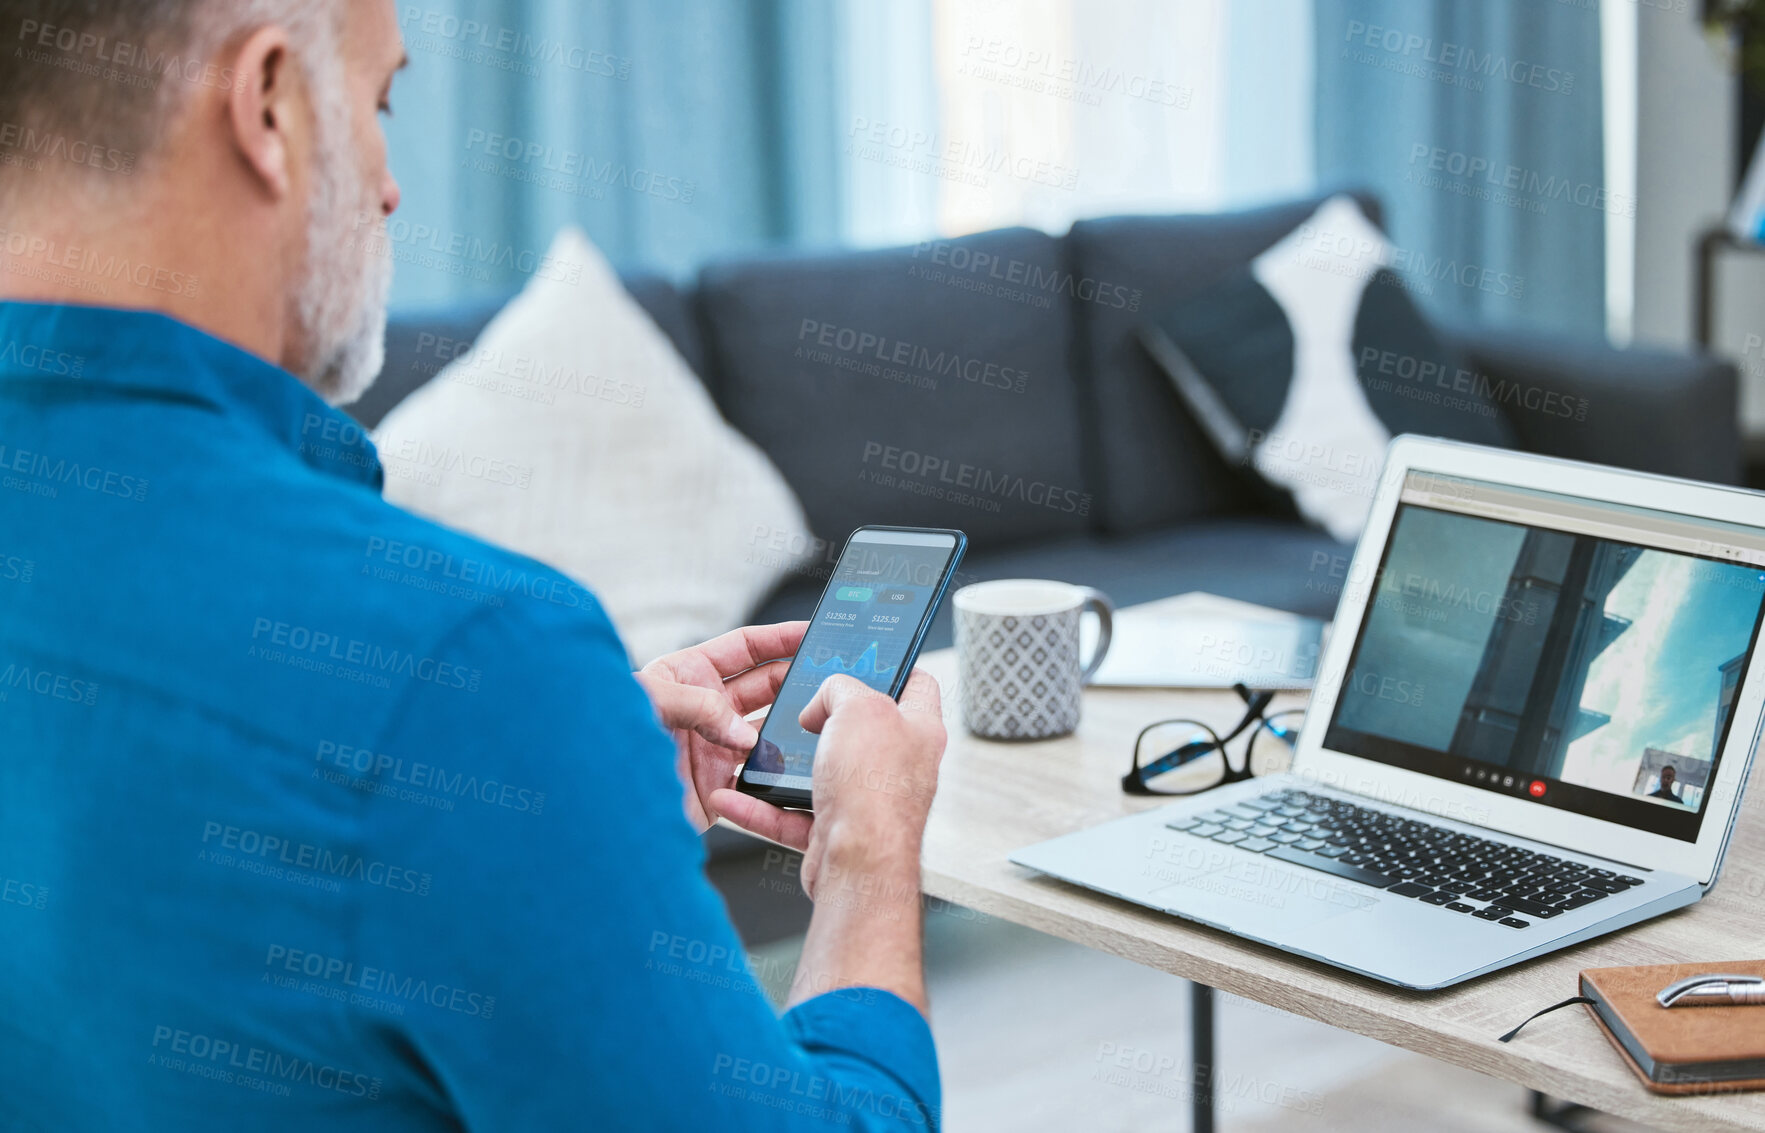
(996, 383)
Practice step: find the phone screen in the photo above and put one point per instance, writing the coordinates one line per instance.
(871, 618)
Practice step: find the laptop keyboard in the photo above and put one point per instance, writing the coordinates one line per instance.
(1461, 873)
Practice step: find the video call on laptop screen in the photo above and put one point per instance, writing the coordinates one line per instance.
(1577, 654)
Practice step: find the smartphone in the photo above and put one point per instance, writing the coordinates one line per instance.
(885, 588)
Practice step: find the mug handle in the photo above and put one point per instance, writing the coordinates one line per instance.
(1098, 603)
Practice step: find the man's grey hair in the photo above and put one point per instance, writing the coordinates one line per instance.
(115, 73)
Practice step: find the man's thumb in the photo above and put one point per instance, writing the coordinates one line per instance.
(707, 713)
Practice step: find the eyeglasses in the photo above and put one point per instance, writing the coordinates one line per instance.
(1183, 757)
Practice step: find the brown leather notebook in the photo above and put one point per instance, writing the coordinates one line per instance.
(1680, 1050)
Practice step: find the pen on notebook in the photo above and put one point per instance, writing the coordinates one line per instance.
(1713, 989)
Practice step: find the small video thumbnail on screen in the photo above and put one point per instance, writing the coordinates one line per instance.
(1562, 656)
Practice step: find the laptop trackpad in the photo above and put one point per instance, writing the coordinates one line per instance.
(1298, 896)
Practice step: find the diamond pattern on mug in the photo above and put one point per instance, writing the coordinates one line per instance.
(1019, 674)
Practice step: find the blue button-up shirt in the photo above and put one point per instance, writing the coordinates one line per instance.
(316, 815)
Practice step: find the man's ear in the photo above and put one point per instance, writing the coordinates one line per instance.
(261, 106)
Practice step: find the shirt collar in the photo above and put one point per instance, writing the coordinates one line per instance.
(151, 355)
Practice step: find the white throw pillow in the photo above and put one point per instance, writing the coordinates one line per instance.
(1327, 447)
(573, 432)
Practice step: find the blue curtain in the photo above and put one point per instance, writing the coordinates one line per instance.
(670, 130)
(1478, 123)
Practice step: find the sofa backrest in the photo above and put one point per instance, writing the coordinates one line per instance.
(919, 386)
(991, 382)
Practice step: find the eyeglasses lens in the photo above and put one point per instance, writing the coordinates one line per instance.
(1271, 748)
(1178, 757)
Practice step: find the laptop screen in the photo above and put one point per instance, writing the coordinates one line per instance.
(1578, 654)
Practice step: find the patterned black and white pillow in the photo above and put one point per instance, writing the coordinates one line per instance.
(1303, 366)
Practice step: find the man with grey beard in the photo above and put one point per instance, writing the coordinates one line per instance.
(288, 839)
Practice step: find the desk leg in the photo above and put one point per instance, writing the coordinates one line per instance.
(1562, 1115)
(1201, 1035)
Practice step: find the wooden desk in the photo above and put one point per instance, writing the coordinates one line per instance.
(996, 797)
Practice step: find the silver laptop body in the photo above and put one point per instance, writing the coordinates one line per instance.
(1523, 646)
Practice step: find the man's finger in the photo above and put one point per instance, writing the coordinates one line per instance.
(742, 649)
(701, 710)
(922, 696)
(787, 827)
(757, 687)
(834, 691)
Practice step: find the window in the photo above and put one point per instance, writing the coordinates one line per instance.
(967, 115)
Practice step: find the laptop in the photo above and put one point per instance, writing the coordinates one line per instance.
(1532, 726)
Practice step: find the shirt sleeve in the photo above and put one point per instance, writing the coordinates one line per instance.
(582, 972)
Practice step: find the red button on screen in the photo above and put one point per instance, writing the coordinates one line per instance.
(1537, 788)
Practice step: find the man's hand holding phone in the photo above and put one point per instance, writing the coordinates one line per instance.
(876, 770)
(836, 738)
(703, 694)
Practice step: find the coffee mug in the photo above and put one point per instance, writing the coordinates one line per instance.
(1017, 648)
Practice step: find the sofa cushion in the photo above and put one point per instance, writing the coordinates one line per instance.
(920, 386)
(1305, 364)
(624, 478)
(1278, 563)
(419, 343)
(1152, 464)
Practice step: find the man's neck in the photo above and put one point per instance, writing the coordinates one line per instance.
(126, 252)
